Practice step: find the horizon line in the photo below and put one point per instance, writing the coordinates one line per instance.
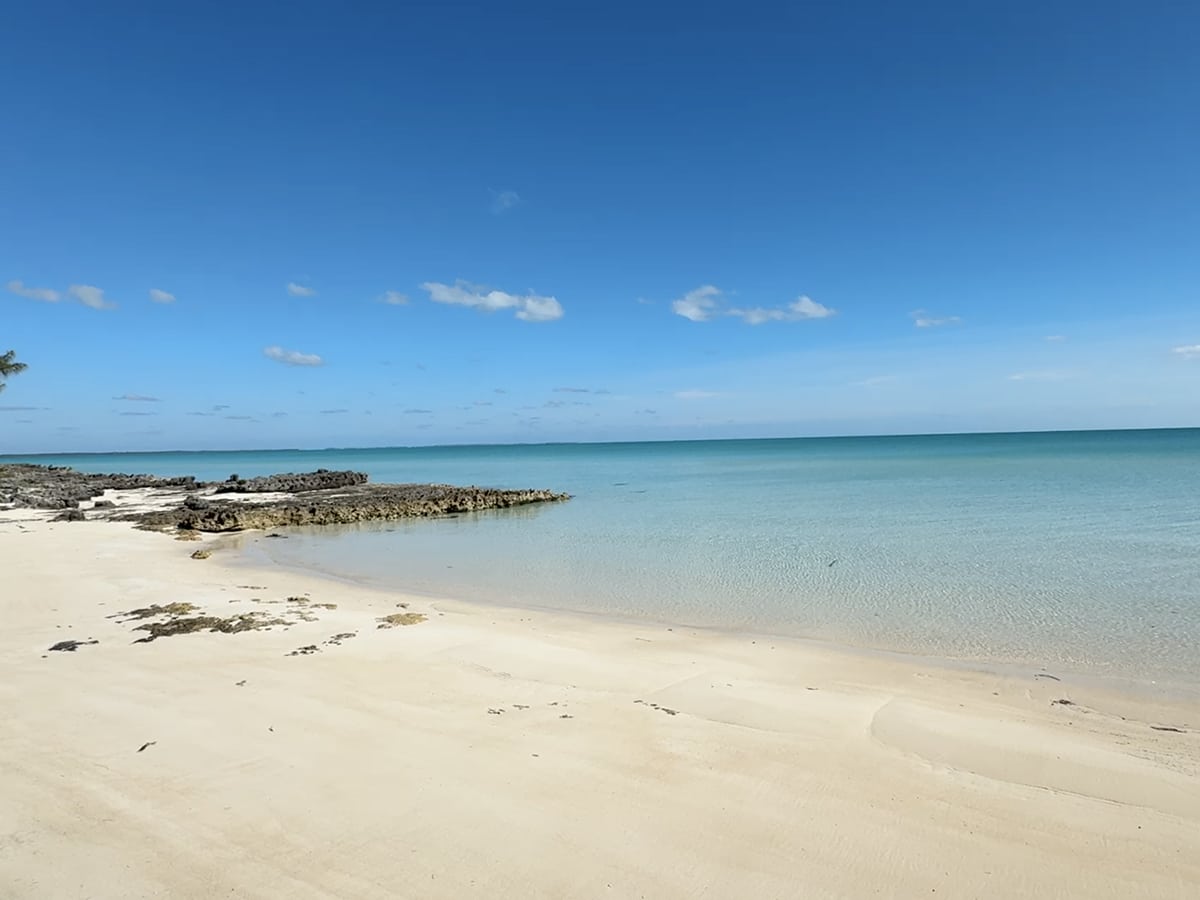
(813, 437)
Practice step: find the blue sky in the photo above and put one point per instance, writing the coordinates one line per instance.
(319, 224)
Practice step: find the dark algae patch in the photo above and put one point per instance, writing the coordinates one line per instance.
(178, 618)
(395, 619)
(71, 646)
(191, 624)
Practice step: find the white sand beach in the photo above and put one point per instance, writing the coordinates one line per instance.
(489, 752)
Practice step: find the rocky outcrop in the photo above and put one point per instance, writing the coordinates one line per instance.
(58, 487)
(291, 482)
(312, 498)
(362, 503)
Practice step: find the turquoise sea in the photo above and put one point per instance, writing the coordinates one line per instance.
(1077, 550)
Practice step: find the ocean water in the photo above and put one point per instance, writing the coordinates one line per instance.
(1072, 549)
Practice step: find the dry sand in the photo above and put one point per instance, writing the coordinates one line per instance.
(503, 753)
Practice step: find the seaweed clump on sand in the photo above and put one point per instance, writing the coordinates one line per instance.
(177, 619)
(391, 621)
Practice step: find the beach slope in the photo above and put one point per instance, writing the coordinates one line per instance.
(329, 740)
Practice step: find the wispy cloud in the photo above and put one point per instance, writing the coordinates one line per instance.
(300, 290)
(698, 395)
(333, 412)
(528, 308)
(22, 408)
(798, 310)
(201, 414)
(394, 298)
(503, 201)
(46, 295)
(1055, 338)
(705, 303)
(220, 406)
(87, 294)
(241, 418)
(1187, 351)
(159, 296)
(90, 295)
(132, 413)
(1043, 375)
(418, 412)
(137, 398)
(698, 305)
(923, 319)
(580, 390)
(292, 357)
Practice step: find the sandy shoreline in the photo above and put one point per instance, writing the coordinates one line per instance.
(511, 753)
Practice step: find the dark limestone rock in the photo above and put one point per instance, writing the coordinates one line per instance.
(361, 503)
(291, 482)
(30, 486)
(313, 498)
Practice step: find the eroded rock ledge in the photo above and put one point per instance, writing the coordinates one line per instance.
(312, 498)
(362, 503)
(24, 486)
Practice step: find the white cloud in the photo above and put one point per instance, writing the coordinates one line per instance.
(503, 201)
(300, 290)
(702, 304)
(90, 295)
(1055, 338)
(699, 305)
(698, 395)
(529, 308)
(31, 293)
(1044, 375)
(797, 311)
(540, 309)
(922, 319)
(394, 298)
(137, 398)
(161, 296)
(1188, 351)
(292, 357)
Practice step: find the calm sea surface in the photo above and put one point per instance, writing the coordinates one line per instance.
(1077, 549)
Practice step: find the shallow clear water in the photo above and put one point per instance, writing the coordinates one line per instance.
(1078, 549)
